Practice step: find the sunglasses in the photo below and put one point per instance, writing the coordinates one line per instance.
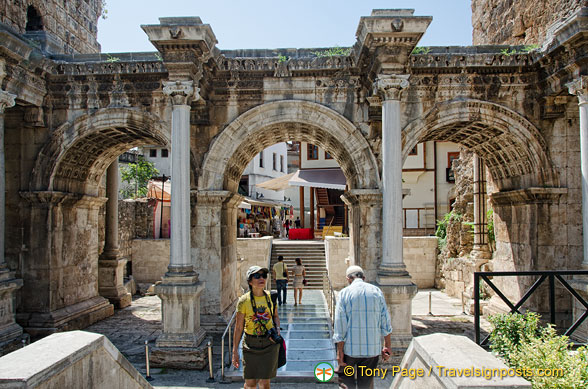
(257, 276)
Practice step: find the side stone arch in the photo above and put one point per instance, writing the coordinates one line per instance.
(513, 149)
(281, 121)
(78, 153)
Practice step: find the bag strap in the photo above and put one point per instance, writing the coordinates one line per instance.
(269, 305)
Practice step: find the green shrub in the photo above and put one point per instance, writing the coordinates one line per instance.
(442, 224)
(510, 331)
(543, 357)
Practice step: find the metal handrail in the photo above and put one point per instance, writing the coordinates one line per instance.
(228, 329)
(545, 274)
(329, 293)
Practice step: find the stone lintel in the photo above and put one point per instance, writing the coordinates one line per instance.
(212, 198)
(54, 198)
(528, 196)
(72, 317)
(367, 197)
(14, 47)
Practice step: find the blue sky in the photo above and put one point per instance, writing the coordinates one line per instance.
(240, 24)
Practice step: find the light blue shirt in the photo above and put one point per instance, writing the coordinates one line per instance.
(361, 319)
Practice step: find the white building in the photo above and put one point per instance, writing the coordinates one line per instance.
(160, 157)
(268, 164)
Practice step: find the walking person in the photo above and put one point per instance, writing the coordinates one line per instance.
(280, 274)
(299, 274)
(361, 320)
(256, 316)
(297, 222)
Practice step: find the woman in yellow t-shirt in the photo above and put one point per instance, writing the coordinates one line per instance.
(254, 315)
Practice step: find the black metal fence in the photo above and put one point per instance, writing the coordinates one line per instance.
(550, 275)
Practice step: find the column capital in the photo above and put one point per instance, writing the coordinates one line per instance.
(579, 88)
(6, 100)
(391, 86)
(181, 92)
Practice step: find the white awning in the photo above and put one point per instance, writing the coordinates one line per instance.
(319, 178)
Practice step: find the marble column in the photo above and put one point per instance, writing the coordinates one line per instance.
(10, 332)
(580, 89)
(111, 265)
(481, 250)
(393, 278)
(180, 290)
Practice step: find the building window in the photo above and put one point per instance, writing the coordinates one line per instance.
(274, 161)
(261, 159)
(311, 152)
(34, 21)
(414, 151)
(153, 153)
(328, 155)
(164, 153)
(449, 174)
(282, 163)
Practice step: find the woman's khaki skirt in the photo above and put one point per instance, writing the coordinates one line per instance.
(260, 358)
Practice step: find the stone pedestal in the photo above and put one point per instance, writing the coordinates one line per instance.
(110, 281)
(180, 345)
(399, 292)
(10, 332)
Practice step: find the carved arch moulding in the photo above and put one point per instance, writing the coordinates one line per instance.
(513, 149)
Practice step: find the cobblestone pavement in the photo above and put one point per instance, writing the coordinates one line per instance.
(129, 328)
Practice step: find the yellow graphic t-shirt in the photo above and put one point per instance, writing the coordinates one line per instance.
(254, 321)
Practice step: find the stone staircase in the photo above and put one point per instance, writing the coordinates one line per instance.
(312, 255)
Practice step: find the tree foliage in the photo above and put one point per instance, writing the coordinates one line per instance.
(137, 175)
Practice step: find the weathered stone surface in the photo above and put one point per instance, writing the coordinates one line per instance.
(150, 259)
(520, 22)
(74, 359)
(181, 358)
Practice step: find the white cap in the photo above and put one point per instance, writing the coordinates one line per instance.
(352, 270)
(254, 269)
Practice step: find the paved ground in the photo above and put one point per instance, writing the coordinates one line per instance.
(130, 327)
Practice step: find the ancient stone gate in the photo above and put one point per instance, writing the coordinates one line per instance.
(66, 118)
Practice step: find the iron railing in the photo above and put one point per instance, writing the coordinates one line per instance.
(550, 275)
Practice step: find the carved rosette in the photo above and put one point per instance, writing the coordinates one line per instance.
(391, 86)
(580, 89)
(6, 100)
(181, 92)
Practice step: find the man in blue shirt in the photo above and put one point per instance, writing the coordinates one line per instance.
(361, 320)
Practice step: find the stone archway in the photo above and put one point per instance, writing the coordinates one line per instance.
(214, 249)
(514, 151)
(528, 204)
(61, 220)
(78, 153)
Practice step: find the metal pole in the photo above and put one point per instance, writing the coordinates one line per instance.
(161, 210)
(223, 358)
(477, 307)
(552, 297)
(211, 376)
(430, 302)
(148, 377)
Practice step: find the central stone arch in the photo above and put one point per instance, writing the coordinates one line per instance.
(282, 121)
(214, 217)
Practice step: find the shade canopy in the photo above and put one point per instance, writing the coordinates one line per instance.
(320, 178)
(315, 178)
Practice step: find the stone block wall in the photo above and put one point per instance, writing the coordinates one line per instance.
(150, 259)
(336, 254)
(254, 251)
(420, 257)
(75, 359)
(135, 221)
(73, 24)
(518, 22)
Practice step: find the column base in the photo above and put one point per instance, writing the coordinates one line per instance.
(110, 281)
(394, 275)
(74, 317)
(398, 292)
(180, 344)
(190, 358)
